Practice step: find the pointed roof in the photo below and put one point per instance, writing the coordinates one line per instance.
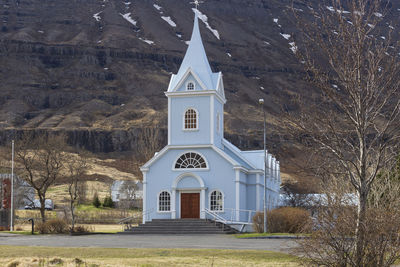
(196, 61)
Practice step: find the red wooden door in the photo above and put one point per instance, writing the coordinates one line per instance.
(190, 205)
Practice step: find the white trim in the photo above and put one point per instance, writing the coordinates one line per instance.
(183, 175)
(187, 73)
(191, 169)
(147, 165)
(173, 204)
(223, 201)
(237, 193)
(184, 121)
(144, 196)
(195, 93)
(220, 85)
(237, 152)
(158, 201)
(194, 85)
(257, 191)
(169, 120)
(212, 119)
(218, 123)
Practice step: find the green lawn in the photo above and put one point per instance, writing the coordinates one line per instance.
(143, 257)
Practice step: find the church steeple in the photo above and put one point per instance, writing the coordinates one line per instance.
(196, 98)
(196, 62)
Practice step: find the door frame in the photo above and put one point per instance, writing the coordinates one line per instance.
(180, 200)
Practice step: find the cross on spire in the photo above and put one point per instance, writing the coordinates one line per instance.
(197, 3)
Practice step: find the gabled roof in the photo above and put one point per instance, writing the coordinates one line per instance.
(196, 62)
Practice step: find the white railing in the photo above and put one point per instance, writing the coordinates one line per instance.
(216, 217)
(232, 216)
(238, 215)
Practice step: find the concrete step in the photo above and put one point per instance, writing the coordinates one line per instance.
(180, 226)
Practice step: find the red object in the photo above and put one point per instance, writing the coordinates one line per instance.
(6, 201)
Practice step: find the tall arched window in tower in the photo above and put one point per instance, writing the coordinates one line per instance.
(190, 160)
(164, 201)
(216, 201)
(191, 119)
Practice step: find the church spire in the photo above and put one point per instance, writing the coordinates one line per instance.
(196, 60)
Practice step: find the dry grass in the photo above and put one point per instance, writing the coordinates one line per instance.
(143, 257)
(101, 228)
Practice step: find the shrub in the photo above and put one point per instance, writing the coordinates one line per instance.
(53, 226)
(108, 203)
(283, 220)
(83, 229)
(96, 201)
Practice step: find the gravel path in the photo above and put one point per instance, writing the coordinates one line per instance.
(148, 241)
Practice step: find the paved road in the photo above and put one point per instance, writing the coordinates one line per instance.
(148, 241)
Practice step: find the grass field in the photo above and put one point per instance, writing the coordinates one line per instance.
(43, 256)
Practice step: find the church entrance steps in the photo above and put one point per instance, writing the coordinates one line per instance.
(181, 226)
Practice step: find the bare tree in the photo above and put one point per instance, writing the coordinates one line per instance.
(40, 161)
(76, 166)
(147, 144)
(352, 125)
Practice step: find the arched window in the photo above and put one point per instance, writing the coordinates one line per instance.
(216, 201)
(164, 201)
(190, 86)
(190, 119)
(190, 160)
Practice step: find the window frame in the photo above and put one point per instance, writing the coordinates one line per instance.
(187, 86)
(190, 169)
(222, 199)
(158, 201)
(184, 120)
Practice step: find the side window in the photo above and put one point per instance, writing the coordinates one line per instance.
(164, 201)
(218, 122)
(216, 201)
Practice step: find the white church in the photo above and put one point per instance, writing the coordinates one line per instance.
(199, 174)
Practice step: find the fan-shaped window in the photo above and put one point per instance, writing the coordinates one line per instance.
(216, 201)
(190, 86)
(164, 201)
(190, 160)
(190, 119)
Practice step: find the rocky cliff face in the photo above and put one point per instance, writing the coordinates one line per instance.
(98, 69)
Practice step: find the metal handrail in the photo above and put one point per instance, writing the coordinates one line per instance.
(216, 216)
(239, 211)
(127, 220)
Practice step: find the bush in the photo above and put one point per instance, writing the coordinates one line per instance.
(96, 201)
(83, 229)
(108, 203)
(53, 226)
(283, 220)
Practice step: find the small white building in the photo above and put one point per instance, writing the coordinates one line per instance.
(126, 190)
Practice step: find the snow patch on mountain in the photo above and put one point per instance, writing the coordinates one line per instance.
(127, 16)
(97, 16)
(204, 19)
(157, 7)
(169, 20)
(146, 41)
(284, 35)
